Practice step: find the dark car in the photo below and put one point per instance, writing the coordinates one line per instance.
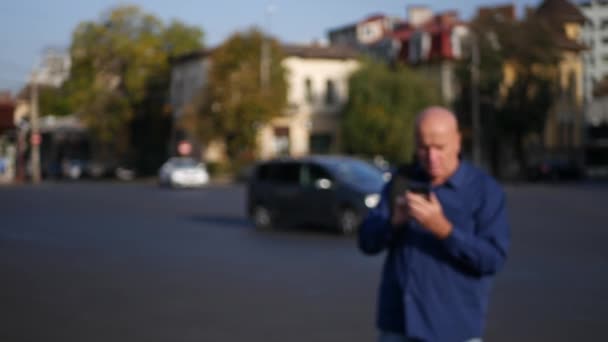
(331, 191)
(554, 170)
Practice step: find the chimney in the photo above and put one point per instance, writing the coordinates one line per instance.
(418, 15)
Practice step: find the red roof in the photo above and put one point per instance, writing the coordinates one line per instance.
(439, 28)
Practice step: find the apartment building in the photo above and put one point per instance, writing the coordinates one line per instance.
(317, 81)
(595, 36)
(430, 42)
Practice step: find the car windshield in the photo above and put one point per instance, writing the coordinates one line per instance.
(184, 162)
(357, 172)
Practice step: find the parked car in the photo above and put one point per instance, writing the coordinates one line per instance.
(331, 191)
(183, 172)
(554, 170)
(73, 168)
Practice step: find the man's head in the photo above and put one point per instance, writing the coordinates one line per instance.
(438, 143)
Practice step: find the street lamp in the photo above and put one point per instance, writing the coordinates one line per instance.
(35, 138)
(475, 99)
(265, 50)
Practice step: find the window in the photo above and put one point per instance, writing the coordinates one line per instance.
(604, 24)
(320, 143)
(288, 173)
(281, 141)
(604, 40)
(308, 89)
(330, 93)
(312, 173)
(572, 86)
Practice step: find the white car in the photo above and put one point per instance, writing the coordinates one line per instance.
(183, 172)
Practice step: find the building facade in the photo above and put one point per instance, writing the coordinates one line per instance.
(427, 41)
(317, 81)
(564, 128)
(595, 36)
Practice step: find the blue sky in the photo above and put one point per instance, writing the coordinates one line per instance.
(29, 26)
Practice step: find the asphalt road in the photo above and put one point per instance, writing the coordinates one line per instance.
(133, 262)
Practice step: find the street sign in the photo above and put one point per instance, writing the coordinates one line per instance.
(184, 148)
(36, 139)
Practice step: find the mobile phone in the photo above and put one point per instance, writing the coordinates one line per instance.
(421, 188)
(409, 178)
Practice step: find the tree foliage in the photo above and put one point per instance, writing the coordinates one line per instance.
(54, 101)
(234, 104)
(120, 73)
(516, 106)
(380, 113)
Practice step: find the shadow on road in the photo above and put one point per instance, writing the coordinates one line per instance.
(226, 221)
(280, 229)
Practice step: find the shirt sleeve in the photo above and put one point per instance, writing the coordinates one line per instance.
(375, 231)
(484, 250)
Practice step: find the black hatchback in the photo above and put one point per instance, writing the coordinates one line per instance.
(331, 191)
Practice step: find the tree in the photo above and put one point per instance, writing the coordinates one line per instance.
(120, 75)
(235, 103)
(514, 105)
(54, 101)
(380, 113)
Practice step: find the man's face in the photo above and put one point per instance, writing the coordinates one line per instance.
(438, 147)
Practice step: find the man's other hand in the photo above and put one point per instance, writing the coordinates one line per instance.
(429, 214)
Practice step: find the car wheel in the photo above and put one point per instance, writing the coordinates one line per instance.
(262, 218)
(348, 221)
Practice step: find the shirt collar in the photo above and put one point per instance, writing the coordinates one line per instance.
(458, 178)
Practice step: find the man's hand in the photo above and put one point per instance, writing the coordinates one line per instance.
(429, 214)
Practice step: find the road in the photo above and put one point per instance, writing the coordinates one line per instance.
(133, 262)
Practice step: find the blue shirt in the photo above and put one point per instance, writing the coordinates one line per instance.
(437, 290)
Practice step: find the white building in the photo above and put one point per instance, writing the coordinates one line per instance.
(54, 69)
(595, 36)
(317, 83)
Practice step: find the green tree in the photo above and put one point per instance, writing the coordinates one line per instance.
(512, 109)
(235, 103)
(54, 101)
(380, 113)
(119, 80)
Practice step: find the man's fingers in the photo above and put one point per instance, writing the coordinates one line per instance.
(415, 198)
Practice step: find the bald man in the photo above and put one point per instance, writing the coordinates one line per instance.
(444, 247)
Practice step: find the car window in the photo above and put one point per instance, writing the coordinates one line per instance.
(184, 162)
(285, 173)
(263, 172)
(357, 172)
(288, 173)
(312, 173)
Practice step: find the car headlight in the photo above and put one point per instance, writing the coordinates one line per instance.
(372, 200)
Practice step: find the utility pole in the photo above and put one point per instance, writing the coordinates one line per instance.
(265, 58)
(35, 138)
(475, 110)
(264, 63)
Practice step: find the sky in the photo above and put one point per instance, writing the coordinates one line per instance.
(27, 27)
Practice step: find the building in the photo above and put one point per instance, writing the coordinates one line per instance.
(7, 138)
(54, 68)
(427, 41)
(564, 128)
(317, 78)
(433, 43)
(595, 36)
(371, 36)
